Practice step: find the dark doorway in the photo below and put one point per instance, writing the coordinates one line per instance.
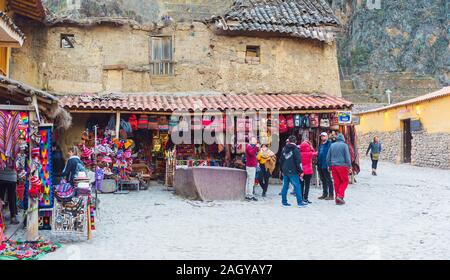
(407, 137)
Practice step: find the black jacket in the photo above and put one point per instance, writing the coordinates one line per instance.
(290, 160)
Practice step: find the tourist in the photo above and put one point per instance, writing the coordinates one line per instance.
(375, 150)
(251, 152)
(72, 166)
(8, 182)
(267, 161)
(290, 165)
(339, 162)
(307, 154)
(322, 167)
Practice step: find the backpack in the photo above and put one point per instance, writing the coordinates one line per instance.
(305, 121)
(283, 124)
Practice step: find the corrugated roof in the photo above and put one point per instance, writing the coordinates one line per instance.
(433, 95)
(298, 18)
(14, 87)
(213, 101)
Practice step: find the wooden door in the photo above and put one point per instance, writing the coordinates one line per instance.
(407, 137)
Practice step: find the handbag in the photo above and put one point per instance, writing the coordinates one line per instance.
(290, 121)
(324, 121)
(314, 120)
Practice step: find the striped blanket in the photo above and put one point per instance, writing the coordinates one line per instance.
(9, 134)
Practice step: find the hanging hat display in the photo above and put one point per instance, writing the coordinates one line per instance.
(35, 151)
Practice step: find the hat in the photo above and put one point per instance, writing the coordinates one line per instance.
(81, 176)
(323, 134)
(87, 153)
(35, 151)
(35, 181)
(107, 159)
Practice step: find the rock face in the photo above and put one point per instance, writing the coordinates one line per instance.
(385, 44)
(400, 45)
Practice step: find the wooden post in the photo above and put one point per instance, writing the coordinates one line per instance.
(117, 124)
(33, 205)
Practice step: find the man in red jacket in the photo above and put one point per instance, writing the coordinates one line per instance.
(251, 151)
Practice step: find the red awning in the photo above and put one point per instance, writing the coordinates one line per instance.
(195, 101)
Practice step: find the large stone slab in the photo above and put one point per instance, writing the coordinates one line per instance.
(210, 183)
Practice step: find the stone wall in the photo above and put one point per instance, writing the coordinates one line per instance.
(428, 149)
(116, 58)
(390, 141)
(431, 150)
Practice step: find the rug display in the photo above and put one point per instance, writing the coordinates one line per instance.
(71, 217)
(20, 250)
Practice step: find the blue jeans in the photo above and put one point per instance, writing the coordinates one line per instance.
(295, 181)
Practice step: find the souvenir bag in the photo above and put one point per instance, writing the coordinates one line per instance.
(305, 121)
(297, 120)
(152, 123)
(133, 122)
(163, 123)
(173, 121)
(207, 121)
(290, 121)
(143, 122)
(314, 120)
(283, 124)
(334, 122)
(324, 121)
(240, 124)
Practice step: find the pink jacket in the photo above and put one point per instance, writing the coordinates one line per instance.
(307, 153)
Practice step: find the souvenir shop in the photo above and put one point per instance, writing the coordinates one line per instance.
(29, 123)
(146, 134)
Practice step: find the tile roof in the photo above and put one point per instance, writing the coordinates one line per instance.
(212, 101)
(433, 95)
(11, 28)
(298, 18)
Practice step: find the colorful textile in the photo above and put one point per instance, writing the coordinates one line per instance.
(46, 176)
(9, 134)
(19, 250)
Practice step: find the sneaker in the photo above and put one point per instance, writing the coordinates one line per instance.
(254, 199)
(286, 204)
(302, 205)
(340, 201)
(307, 201)
(263, 195)
(330, 197)
(322, 197)
(248, 198)
(374, 173)
(14, 221)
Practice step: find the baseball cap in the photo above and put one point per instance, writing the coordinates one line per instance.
(323, 134)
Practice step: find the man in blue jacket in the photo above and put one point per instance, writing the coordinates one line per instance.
(322, 167)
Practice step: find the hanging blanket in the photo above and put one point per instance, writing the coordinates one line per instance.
(9, 134)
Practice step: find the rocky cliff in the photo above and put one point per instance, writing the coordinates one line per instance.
(401, 45)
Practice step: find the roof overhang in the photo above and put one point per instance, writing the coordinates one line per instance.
(10, 34)
(33, 9)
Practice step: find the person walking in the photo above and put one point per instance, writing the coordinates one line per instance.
(72, 165)
(375, 150)
(291, 168)
(339, 162)
(8, 182)
(267, 161)
(322, 168)
(58, 163)
(307, 153)
(251, 152)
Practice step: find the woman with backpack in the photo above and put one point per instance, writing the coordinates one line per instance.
(73, 165)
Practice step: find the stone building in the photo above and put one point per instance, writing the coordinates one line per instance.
(289, 45)
(415, 131)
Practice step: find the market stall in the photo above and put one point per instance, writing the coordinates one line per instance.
(27, 120)
(157, 124)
